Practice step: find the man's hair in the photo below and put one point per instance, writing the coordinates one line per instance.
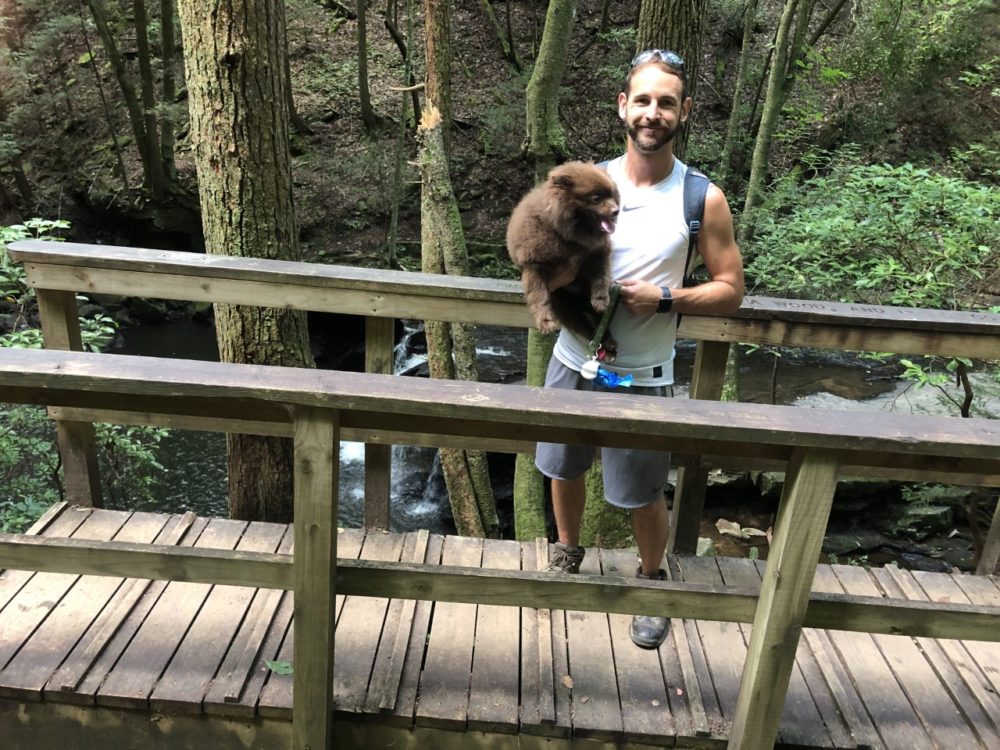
(669, 61)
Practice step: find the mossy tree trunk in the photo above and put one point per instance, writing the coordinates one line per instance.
(544, 142)
(451, 351)
(239, 126)
(168, 45)
(364, 94)
(674, 25)
(773, 102)
(733, 148)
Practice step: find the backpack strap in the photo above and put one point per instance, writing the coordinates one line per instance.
(695, 189)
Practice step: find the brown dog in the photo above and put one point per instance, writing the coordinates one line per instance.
(560, 237)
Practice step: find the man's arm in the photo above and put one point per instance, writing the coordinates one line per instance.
(717, 247)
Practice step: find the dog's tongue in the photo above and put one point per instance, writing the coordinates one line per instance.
(607, 226)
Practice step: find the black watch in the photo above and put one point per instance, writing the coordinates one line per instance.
(666, 301)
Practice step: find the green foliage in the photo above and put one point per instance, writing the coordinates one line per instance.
(30, 471)
(877, 234)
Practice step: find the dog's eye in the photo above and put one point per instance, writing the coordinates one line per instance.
(596, 197)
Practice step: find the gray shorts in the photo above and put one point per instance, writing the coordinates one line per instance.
(632, 478)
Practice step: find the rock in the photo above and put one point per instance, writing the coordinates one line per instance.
(706, 547)
(913, 561)
(913, 521)
(854, 540)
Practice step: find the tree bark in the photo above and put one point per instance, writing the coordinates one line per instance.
(168, 44)
(437, 40)
(545, 141)
(239, 125)
(364, 94)
(157, 177)
(674, 25)
(773, 103)
(450, 348)
(529, 484)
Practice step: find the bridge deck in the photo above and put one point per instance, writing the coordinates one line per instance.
(194, 649)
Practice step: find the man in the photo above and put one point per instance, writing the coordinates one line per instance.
(648, 260)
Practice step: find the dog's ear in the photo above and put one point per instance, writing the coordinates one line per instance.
(562, 181)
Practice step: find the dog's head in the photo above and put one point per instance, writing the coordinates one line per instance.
(585, 196)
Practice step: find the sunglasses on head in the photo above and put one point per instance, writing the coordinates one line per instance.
(665, 56)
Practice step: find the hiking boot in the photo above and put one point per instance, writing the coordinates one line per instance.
(566, 559)
(647, 631)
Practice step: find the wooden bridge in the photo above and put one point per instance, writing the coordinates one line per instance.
(152, 631)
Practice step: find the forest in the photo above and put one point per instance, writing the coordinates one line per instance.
(856, 141)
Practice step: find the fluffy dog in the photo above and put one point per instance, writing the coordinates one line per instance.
(559, 235)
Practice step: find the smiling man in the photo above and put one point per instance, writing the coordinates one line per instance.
(648, 259)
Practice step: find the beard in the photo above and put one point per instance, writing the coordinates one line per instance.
(649, 141)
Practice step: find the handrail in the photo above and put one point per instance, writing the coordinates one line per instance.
(318, 403)
(58, 270)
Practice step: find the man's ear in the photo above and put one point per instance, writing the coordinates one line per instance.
(622, 101)
(686, 109)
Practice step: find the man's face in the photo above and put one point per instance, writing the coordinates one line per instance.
(653, 110)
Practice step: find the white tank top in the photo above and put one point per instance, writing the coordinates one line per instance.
(650, 243)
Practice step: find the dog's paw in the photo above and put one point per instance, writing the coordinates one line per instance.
(599, 301)
(546, 325)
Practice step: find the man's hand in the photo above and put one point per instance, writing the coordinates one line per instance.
(640, 297)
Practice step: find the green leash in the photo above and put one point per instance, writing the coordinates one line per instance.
(595, 348)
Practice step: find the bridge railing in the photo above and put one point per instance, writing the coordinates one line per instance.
(319, 407)
(59, 270)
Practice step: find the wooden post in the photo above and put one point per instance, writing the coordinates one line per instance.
(989, 561)
(810, 482)
(77, 444)
(317, 467)
(689, 494)
(379, 355)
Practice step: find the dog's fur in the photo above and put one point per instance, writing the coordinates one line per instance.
(564, 225)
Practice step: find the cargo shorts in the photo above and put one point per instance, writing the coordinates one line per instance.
(633, 478)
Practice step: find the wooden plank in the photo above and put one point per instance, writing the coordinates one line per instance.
(705, 712)
(893, 716)
(26, 611)
(275, 690)
(784, 596)
(388, 668)
(239, 679)
(380, 339)
(941, 716)
(946, 341)
(596, 706)
(317, 482)
(405, 708)
(184, 683)
(955, 670)
(360, 628)
(810, 716)
(62, 525)
(517, 412)
(645, 707)
(529, 663)
(26, 674)
(946, 589)
(494, 694)
(133, 678)
(444, 684)
(99, 647)
(989, 561)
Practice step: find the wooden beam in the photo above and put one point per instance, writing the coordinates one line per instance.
(784, 598)
(989, 561)
(317, 467)
(692, 479)
(77, 443)
(380, 340)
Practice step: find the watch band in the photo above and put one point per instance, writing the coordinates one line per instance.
(666, 301)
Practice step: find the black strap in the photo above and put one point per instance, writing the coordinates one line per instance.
(695, 189)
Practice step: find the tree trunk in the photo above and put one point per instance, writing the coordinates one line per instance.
(529, 484)
(769, 118)
(364, 95)
(131, 99)
(437, 39)
(157, 177)
(674, 25)
(545, 140)
(450, 348)
(730, 147)
(239, 126)
(169, 44)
